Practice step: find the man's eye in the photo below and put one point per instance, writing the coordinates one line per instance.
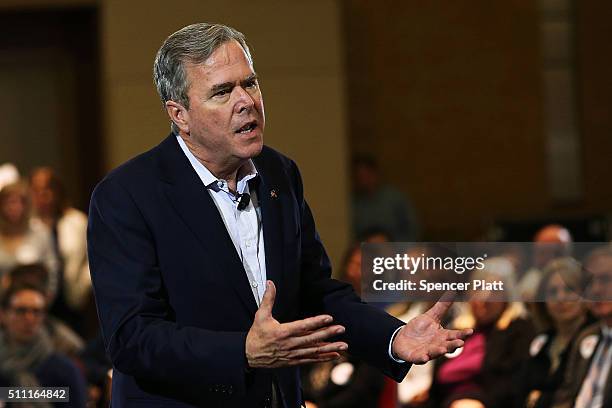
(222, 92)
(252, 84)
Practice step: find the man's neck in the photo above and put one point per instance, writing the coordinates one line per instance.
(227, 171)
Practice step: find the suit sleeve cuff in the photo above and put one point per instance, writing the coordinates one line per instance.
(397, 360)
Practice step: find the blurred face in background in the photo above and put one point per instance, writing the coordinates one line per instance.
(44, 199)
(486, 313)
(599, 288)
(24, 317)
(552, 241)
(562, 301)
(366, 179)
(13, 206)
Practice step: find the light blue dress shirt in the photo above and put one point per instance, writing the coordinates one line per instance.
(244, 226)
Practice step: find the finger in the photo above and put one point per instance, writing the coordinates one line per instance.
(318, 350)
(300, 327)
(435, 352)
(267, 302)
(453, 345)
(330, 357)
(420, 358)
(438, 310)
(459, 334)
(314, 337)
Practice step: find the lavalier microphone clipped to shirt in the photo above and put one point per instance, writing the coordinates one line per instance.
(243, 199)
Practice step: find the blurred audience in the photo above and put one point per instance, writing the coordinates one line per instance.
(68, 228)
(27, 355)
(588, 379)
(563, 315)
(378, 205)
(480, 374)
(23, 241)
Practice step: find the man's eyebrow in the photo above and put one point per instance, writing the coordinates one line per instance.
(229, 85)
(249, 79)
(221, 87)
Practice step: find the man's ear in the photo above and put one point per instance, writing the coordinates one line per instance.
(179, 115)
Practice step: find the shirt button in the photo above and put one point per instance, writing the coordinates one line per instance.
(254, 284)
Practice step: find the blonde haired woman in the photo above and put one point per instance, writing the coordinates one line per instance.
(21, 240)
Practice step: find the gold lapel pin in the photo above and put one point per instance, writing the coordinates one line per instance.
(274, 193)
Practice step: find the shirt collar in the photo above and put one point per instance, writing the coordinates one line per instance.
(245, 173)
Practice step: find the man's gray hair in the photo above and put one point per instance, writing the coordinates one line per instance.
(192, 44)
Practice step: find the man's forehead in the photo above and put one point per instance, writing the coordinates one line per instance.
(229, 55)
(226, 64)
(27, 298)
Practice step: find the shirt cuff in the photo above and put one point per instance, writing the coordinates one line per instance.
(397, 360)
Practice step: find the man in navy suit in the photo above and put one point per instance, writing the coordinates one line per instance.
(211, 281)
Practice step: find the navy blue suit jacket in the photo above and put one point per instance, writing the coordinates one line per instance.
(173, 298)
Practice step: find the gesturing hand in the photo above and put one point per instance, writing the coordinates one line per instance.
(270, 344)
(424, 339)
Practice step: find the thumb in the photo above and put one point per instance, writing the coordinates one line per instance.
(265, 308)
(438, 310)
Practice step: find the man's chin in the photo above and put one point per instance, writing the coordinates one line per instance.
(252, 149)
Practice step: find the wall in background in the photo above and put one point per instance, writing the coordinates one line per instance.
(449, 100)
(594, 32)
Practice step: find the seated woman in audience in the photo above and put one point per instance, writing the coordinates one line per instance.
(23, 241)
(27, 357)
(480, 373)
(564, 316)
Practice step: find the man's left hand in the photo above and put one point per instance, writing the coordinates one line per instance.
(424, 338)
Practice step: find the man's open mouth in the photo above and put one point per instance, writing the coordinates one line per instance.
(248, 127)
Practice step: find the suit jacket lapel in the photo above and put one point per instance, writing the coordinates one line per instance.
(196, 207)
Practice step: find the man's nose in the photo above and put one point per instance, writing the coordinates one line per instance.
(244, 101)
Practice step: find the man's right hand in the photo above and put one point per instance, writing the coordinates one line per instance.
(270, 344)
